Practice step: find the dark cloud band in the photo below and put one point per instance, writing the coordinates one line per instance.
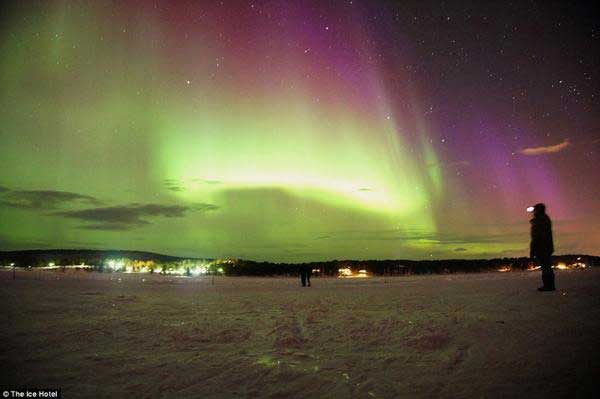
(43, 199)
(127, 217)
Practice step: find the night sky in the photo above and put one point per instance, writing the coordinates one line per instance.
(300, 130)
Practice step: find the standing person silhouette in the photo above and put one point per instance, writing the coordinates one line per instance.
(542, 247)
(305, 272)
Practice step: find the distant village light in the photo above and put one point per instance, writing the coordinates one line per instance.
(347, 273)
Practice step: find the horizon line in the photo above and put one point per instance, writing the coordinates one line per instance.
(277, 262)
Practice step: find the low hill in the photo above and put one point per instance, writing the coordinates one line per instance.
(41, 257)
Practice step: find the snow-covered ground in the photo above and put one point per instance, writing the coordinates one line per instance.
(478, 335)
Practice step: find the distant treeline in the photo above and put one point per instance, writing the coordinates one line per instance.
(396, 267)
(240, 267)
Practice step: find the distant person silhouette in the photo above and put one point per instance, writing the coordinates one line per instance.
(542, 247)
(305, 272)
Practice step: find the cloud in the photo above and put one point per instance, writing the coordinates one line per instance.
(44, 199)
(174, 185)
(127, 217)
(123, 217)
(424, 236)
(205, 181)
(180, 185)
(204, 207)
(323, 237)
(551, 149)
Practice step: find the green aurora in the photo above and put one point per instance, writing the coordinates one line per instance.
(119, 132)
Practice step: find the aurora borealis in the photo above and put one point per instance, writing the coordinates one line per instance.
(293, 131)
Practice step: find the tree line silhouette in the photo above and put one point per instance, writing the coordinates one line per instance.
(241, 267)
